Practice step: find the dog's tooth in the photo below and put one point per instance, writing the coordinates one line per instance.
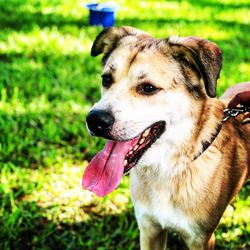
(125, 162)
(135, 148)
(141, 140)
(146, 133)
(130, 152)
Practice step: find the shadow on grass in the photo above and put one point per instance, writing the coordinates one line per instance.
(45, 73)
(44, 138)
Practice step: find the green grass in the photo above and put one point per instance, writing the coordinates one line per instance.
(48, 82)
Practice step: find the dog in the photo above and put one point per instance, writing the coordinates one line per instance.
(165, 127)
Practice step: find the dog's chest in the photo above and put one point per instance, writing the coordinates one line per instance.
(169, 216)
(165, 214)
(154, 205)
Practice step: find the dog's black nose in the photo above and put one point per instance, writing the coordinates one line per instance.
(100, 121)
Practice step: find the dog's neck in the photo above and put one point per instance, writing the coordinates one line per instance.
(184, 141)
(208, 127)
(201, 133)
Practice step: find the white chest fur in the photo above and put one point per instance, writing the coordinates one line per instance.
(153, 206)
(167, 216)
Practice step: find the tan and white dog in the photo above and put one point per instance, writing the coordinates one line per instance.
(164, 125)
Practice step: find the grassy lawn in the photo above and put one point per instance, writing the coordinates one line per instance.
(48, 82)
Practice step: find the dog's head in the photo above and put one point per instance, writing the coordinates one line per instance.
(150, 89)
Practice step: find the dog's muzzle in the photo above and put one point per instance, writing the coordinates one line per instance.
(100, 122)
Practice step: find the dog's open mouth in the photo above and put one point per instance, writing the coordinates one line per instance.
(144, 141)
(105, 170)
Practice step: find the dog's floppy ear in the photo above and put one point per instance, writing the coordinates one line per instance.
(107, 40)
(204, 55)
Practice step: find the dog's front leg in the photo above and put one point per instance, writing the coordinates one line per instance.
(153, 238)
(153, 242)
(206, 243)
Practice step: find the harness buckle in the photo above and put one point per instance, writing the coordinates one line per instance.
(228, 113)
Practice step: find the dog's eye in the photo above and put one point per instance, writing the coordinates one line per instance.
(107, 80)
(147, 89)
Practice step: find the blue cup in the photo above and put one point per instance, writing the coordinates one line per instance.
(101, 14)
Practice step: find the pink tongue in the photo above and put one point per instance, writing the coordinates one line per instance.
(104, 172)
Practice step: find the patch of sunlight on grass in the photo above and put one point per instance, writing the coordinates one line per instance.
(184, 10)
(240, 73)
(74, 8)
(213, 32)
(13, 105)
(183, 20)
(58, 189)
(245, 69)
(205, 30)
(46, 40)
(163, 8)
(242, 16)
(62, 194)
(233, 216)
(229, 2)
(208, 31)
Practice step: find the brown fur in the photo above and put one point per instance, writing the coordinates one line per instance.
(205, 186)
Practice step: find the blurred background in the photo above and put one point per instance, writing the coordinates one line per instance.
(48, 82)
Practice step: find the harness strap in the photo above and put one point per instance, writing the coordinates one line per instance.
(228, 113)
